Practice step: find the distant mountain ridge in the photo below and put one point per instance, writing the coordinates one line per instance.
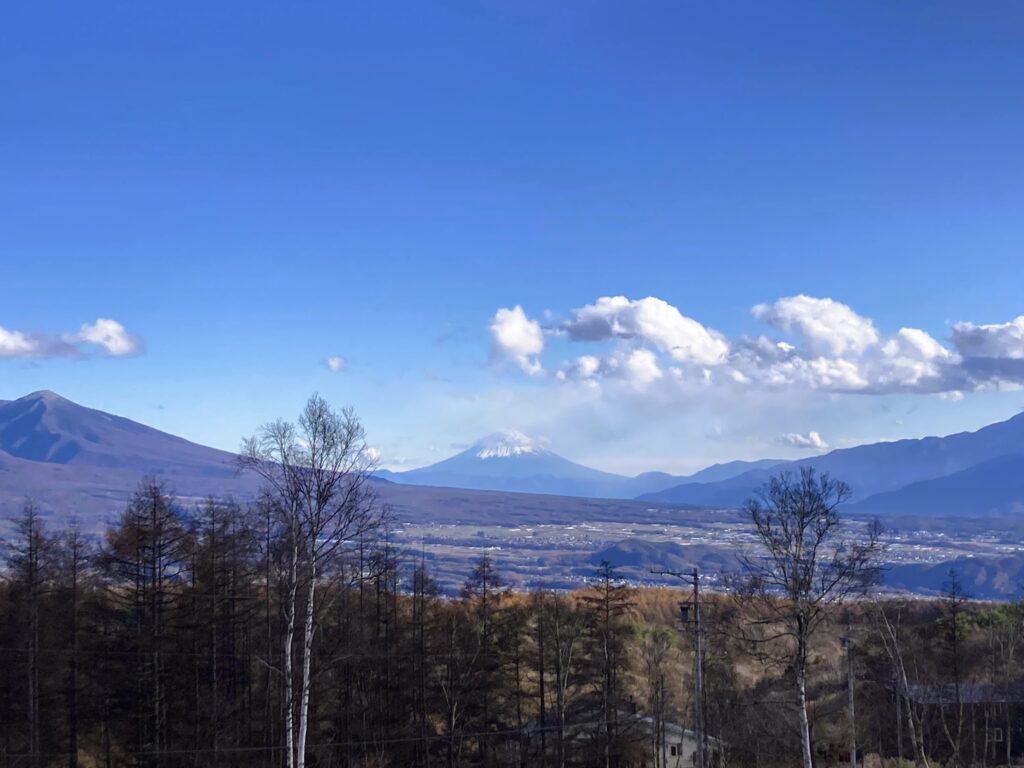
(969, 473)
(84, 460)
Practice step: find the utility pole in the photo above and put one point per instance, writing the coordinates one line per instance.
(698, 656)
(848, 645)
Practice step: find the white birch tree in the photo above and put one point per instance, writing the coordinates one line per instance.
(316, 477)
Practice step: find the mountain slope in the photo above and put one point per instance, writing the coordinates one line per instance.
(81, 460)
(872, 469)
(511, 461)
(45, 427)
(993, 487)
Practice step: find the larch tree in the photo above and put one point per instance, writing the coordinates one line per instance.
(31, 560)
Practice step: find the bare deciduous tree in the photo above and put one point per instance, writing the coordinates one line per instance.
(889, 632)
(316, 479)
(810, 563)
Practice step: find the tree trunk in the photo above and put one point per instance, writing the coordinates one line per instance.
(307, 652)
(801, 685)
(289, 638)
(73, 663)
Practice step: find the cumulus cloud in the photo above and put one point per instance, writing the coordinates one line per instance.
(516, 338)
(110, 336)
(812, 440)
(992, 352)
(651, 321)
(636, 367)
(813, 344)
(913, 360)
(1000, 340)
(585, 368)
(336, 364)
(827, 327)
(105, 337)
(17, 344)
(777, 365)
(642, 367)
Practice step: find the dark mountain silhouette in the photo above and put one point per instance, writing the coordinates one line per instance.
(994, 487)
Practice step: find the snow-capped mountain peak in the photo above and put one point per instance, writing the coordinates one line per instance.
(503, 445)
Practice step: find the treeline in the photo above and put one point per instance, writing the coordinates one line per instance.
(161, 646)
(291, 632)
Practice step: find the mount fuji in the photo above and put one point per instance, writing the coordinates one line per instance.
(512, 461)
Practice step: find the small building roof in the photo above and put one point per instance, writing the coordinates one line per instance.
(974, 692)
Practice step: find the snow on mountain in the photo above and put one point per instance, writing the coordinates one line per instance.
(503, 445)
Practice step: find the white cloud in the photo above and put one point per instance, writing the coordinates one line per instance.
(812, 440)
(992, 353)
(518, 339)
(652, 321)
(336, 364)
(912, 359)
(105, 336)
(836, 350)
(110, 336)
(584, 368)
(764, 363)
(637, 367)
(825, 326)
(642, 367)
(1000, 340)
(15, 344)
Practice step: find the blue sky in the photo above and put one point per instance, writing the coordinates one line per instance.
(247, 189)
